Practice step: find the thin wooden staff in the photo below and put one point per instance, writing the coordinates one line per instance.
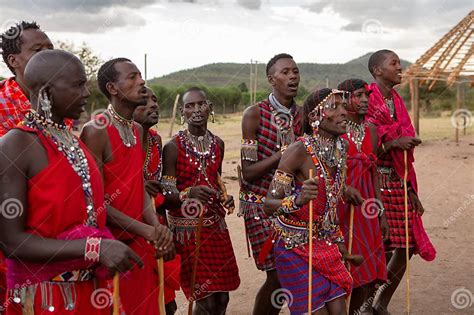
(239, 175)
(405, 179)
(161, 275)
(196, 258)
(116, 295)
(224, 193)
(349, 250)
(310, 258)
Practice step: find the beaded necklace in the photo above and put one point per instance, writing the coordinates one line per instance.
(124, 127)
(390, 105)
(153, 174)
(356, 133)
(283, 120)
(68, 145)
(333, 184)
(200, 150)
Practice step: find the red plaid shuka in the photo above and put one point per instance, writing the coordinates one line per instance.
(257, 222)
(217, 269)
(367, 236)
(13, 104)
(393, 198)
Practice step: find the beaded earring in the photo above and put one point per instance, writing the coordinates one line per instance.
(213, 120)
(45, 103)
(182, 120)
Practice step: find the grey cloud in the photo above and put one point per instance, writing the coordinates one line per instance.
(250, 4)
(401, 14)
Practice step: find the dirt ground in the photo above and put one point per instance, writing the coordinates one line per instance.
(445, 286)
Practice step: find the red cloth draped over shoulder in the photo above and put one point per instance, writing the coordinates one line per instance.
(389, 129)
(123, 178)
(124, 189)
(51, 192)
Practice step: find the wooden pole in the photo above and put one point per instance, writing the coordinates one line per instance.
(146, 75)
(405, 188)
(173, 115)
(161, 293)
(239, 175)
(255, 82)
(310, 258)
(415, 98)
(196, 261)
(116, 295)
(251, 83)
(351, 236)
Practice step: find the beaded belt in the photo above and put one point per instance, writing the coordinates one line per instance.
(295, 232)
(74, 276)
(248, 196)
(191, 222)
(388, 174)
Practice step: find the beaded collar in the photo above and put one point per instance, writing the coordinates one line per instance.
(124, 127)
(356, 133)
(201, 151)
(152, 142)
(68, 145)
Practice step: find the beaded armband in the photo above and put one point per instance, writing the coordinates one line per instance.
(169, 185)
(282, 183)
(249, 150)
(288, 205)
(92, 250)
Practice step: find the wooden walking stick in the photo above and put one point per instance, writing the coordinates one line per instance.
(349, 250)
(196, 258)
(239, 175)
(310, 258)
(161, 276)
(405, 178)
(116, 295)
(161, 292)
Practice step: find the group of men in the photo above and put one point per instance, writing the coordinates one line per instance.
(78, 210)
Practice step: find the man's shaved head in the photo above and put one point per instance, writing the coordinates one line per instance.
(49, 66)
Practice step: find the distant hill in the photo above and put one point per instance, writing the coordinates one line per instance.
(313, 75)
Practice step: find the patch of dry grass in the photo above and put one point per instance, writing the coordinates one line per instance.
(228, 128)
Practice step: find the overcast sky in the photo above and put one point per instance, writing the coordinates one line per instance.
(182, 34)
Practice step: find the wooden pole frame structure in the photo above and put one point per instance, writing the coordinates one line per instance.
(451, 59)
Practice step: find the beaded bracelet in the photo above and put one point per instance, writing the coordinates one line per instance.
(169, 185)
(184, 194)
(249, 150)
(288, 205)
(92, 250)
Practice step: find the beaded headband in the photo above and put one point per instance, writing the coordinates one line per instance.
(319, 106)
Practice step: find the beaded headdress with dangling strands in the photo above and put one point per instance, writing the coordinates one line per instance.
(124, 127)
